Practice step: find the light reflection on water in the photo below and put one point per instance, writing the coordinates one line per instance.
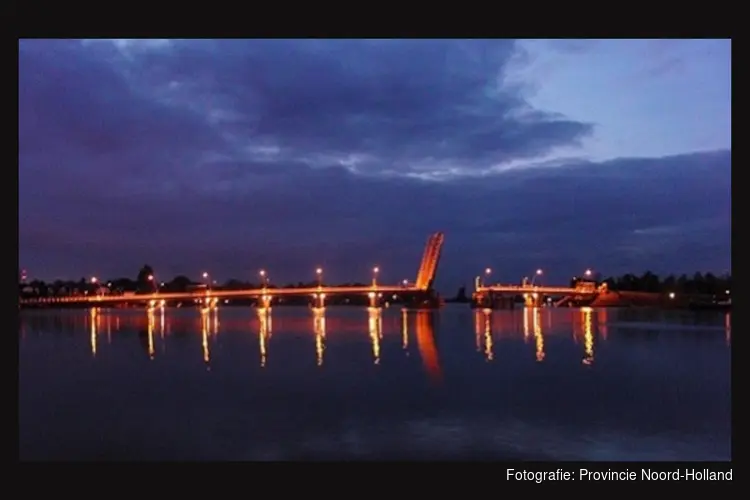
(370, 383)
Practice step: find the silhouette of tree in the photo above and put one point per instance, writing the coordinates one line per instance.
(179, 284)
(699, 284)
(143, 283)
(144, 273)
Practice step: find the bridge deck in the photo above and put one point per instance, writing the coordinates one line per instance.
(223, 294)
(545, 290)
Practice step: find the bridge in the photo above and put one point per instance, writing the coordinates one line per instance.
(533, 295)
(266, 294)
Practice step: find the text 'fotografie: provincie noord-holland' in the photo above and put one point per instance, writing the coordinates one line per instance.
(682, 474)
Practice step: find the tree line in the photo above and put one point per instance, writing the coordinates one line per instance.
(697, 284)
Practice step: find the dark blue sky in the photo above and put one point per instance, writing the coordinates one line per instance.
(231, 156)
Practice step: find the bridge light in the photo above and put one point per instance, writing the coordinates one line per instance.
(587, 273)
(376, 269)
(405, 282)
(538, 272)
(319, 271)
(488, 271)
(94, 279)
(205, 275)
(671, 295)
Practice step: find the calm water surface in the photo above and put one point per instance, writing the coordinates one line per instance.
(349, 383)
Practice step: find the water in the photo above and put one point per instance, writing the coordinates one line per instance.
(237, 384)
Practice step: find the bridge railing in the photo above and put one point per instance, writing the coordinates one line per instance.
(537, 289)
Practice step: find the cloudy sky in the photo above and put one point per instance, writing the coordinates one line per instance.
(229, 156)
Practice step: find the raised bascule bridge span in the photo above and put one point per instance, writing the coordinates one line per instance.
(265, 295)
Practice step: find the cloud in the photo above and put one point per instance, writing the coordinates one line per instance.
(234, 155)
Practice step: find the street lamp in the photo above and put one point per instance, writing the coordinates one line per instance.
(405, 283)
(205, 278)
(319, 273)
(487, 273)
(538, 272)
(263, 279)
(587, 273)
(375, 271)
(153, 282)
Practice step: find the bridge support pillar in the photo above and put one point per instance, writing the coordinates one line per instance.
(374, 299)
(503, 302)
(490, 300)
(532, 299)
(482, 300)
(319, 300)
(264, 301)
